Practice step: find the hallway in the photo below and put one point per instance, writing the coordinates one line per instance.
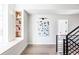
(31, 29)
(39, 50)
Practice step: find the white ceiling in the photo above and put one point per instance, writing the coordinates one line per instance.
(51, 8)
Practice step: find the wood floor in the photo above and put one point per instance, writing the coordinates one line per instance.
(40, 50)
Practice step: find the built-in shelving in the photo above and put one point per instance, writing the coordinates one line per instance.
(18, 23)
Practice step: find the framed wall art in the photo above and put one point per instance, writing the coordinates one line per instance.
(43, 27)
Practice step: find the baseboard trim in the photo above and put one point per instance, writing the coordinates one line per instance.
(42, 43)
(22, 50)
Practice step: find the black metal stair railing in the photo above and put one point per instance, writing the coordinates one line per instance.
(71, 43)
(71, 46)
(59, 43)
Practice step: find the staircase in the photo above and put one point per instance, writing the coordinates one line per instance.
(68, 44)
(59, 44)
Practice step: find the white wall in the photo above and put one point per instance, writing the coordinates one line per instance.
(5, 23)
(17, 45)
(73, 21)
(1, 22)
(8, 22)
(11, 22)
(35, 39)
(22, 44)
(26, 26)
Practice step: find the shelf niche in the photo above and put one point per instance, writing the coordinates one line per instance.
(18, 23)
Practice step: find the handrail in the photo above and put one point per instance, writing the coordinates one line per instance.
(73, 30)
(74, 37)
(66, 41)
(74, 34)
(68, 38)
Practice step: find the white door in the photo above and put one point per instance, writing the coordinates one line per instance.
(62, 27)
(62, 30)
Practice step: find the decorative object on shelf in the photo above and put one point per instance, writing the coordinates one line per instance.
(43, 27)
(18, 23)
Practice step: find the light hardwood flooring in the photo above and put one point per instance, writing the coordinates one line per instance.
(40, 50)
